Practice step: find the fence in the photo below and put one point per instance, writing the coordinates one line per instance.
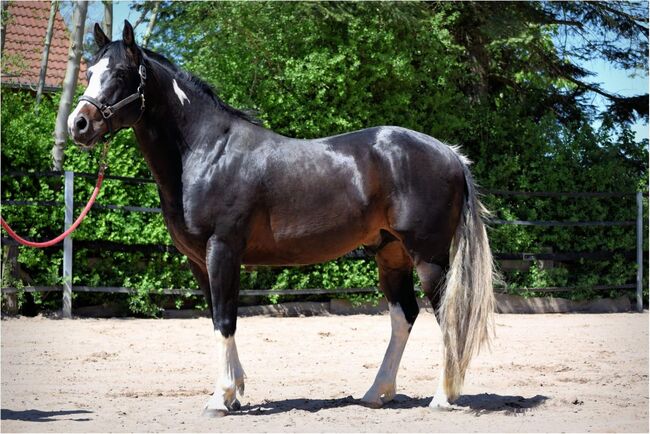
(67, 287)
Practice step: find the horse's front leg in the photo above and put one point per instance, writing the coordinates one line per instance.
(223, 262)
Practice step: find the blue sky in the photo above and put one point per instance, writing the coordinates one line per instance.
(122, 11)
(620, 82)
(611, 79)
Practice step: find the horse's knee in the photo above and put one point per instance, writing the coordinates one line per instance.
(226, 325)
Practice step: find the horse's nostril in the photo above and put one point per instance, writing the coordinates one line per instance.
(81, 123)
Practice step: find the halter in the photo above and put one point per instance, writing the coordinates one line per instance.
(108, 111)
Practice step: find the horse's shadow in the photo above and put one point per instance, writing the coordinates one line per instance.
(490, 403)
(478, 404)
(42, 416)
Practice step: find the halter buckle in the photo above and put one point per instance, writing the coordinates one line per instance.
(107, 112)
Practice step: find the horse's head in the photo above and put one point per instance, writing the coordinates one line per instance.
(114, 98)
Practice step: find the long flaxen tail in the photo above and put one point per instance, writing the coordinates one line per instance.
(467, 305)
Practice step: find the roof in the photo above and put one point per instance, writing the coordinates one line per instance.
(26, 26)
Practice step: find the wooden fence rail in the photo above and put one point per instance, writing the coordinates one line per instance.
(67, 288)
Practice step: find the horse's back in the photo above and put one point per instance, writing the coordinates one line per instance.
(326, 196)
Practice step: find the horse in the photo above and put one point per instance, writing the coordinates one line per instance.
(233, 192)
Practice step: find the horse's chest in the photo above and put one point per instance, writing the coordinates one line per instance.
(190, 244)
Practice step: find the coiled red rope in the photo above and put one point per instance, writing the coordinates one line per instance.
(91, 201)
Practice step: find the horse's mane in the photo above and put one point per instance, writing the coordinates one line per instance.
(188, 79)
(200, 86)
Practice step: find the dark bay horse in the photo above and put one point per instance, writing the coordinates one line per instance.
(235, 193)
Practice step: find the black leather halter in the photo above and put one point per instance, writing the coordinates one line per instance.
(108, 111)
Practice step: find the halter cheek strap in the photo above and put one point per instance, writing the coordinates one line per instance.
(108, 111)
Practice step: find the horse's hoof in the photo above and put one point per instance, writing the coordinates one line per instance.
(371, 403)
(214, 412)
(436, 405)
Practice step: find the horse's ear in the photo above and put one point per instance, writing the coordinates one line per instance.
(100, 37)
(127, 34)
(129, 40)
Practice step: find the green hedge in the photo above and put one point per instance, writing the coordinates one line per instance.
(318, 69)
(26, 143)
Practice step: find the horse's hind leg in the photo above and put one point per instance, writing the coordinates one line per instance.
(396, 282)
(432, 277)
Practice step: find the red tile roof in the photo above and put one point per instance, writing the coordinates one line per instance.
(26, 26)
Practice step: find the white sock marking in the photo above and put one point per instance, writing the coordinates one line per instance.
(440, 399)
(383, 389)
(230, 375)
(179, 93)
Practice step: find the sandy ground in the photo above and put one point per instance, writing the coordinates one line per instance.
(544, 373)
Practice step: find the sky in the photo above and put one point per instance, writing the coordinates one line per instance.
(612, 80)
(616, 81)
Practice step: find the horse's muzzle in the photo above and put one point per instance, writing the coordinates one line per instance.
(86, 126)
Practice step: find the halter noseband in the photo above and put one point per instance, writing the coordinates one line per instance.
(108, 111)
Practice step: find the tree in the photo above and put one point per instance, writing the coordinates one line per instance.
(152, 23)
(69, 83)
(46, 53)
(3, 22)
(481, 75)
(614, 31)
(490, 76)
(107, 21)
(555, 38)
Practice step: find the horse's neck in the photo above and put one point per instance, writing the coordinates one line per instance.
(163, 159)
(169, 131)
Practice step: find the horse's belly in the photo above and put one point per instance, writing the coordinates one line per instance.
(301, 241)
(286, 257)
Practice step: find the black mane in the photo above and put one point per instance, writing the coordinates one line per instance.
(201, 86)
(189, 79)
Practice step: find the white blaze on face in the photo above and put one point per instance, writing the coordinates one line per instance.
(94, 87)
(179, 93)
(97, 70)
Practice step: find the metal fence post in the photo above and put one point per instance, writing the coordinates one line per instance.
(67, 245)
(639, 251)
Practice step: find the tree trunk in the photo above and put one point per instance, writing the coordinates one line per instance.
(69, 82)
(107, 22)
(46, 54)
(3, 24)
(152, 23)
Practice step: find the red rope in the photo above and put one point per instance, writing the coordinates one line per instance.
(100, 178)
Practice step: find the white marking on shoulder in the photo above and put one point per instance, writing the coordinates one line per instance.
(179, 93)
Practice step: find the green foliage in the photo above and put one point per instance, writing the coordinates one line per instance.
(475, 74)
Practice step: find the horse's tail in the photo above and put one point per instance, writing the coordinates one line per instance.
(468, 302)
